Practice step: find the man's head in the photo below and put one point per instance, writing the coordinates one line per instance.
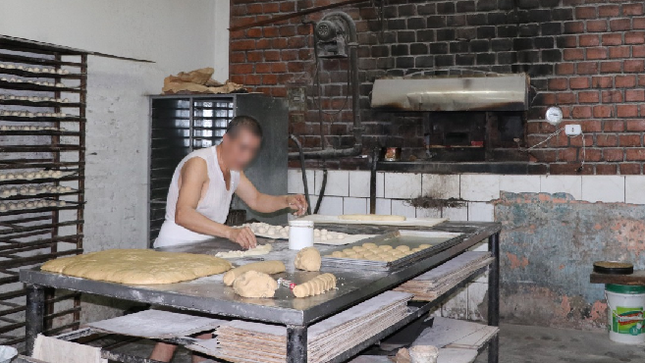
(241, 142)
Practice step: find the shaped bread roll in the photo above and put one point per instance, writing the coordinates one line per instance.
(316, 286)
(267, 267)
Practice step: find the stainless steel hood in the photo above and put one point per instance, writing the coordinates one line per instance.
(485, 93)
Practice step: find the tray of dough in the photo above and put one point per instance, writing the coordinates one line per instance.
(390, 251)
(321, 235)
(377, 220)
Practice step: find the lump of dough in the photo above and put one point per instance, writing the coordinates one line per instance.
(267, 267)
(369, 245)
(255, 284)
(338, 254)
(308, 259)
(403, 248)
(424, 246)
(316, 286)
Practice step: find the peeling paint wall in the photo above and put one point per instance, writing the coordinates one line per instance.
(549, 243)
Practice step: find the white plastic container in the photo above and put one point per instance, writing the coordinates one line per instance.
(7, 353)
(301, 234)
(626, 305)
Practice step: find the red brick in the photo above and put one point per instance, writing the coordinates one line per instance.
(279, 43)
(611, 67)
(612, 39)
(586, 12)
(544, 156)
(597, 53)
(606, 169)
(287, 6)
(568, 154)
(625, 81)
(602, 82)
(587, 68)
(589, 40)
(635, 95)
(287, 30)
(237, 78)
(635, 125)
(237, 57)
(254, 9)
(614, 126)
(602, 111)
(635, 154)
(593, 154)
(558, 84)
(252, 79)
(635, 38)
(278, 67)
(641, 80)
(242, 44)
(577, 141)
(633, 9)
(638, 51)
(568, 168)
(245, 68)
(591, 126)
(620, 24)
(264, 43)
(565, 68)
(613, 154)
(288, 55)
(269, 79)
(630, 168)
(271, 7)
(272, 55)
(629, 140)
(271, 31)
(262, 68)
(561, 140)
(609, 10)
(606, 140)
(579, 112)
(619, 52)
(589, 97)
(639, 23)
(254, 33)
(579, 83)
(596, 26)
(612, 96)
(566, 98)
(626, 111)
(296, 66)
(573, 54)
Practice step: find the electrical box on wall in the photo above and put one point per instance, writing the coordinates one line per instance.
(573, 130)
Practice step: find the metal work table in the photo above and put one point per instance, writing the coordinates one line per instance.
(209, 295)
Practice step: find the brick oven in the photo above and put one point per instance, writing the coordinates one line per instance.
(586, 57)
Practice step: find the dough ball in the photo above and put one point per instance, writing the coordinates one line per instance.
(338, 254)
(255, 284)
(403, 248)
(316, 233)
(3, 207)
(385, 247)
(262, 230)
(424, 246)
(323, 231)
(358, 248)
(347, 250)
(369, 244)
(308, 259)
(340, 236)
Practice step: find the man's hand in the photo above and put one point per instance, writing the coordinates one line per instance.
(298, 204)
(243, 236)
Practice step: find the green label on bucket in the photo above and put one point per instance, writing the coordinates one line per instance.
(628, 320)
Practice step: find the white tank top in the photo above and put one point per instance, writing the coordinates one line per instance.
(214, 205)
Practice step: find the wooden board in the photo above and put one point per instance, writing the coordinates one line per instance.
(637, 278)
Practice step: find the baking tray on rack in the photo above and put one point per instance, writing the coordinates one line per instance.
(437, 240)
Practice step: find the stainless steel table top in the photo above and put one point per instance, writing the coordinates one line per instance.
(210, 295)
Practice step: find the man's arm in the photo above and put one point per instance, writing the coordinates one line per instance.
(265, 203)
(193, 175)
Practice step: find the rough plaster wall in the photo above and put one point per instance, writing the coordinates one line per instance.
(177, 36)
(549, 243)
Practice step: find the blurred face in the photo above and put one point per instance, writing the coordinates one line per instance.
(240, 150)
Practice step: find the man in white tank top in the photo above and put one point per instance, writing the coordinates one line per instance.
(200, 195)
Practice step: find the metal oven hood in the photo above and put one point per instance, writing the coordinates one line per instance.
(485, 93)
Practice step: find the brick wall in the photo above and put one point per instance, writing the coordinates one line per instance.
(587, 56)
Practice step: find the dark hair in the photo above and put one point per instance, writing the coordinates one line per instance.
(244, 122)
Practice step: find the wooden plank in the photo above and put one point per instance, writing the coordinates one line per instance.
(637, 278)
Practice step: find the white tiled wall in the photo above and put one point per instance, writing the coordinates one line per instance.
(348, 193)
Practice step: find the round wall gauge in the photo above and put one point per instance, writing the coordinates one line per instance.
(554, 115)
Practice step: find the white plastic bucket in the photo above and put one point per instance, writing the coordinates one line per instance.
(626, 305)
(301, 234)
(7, 353)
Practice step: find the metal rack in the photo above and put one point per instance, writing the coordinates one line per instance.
(42, 130)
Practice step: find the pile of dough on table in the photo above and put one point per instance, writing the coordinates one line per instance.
(138, 266)
(373, 252)
(271, 231)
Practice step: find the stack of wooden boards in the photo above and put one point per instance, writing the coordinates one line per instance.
(439, 280)
(246, 342)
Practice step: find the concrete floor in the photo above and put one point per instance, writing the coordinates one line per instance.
(524, 344)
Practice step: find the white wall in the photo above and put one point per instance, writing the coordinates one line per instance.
(178, 36)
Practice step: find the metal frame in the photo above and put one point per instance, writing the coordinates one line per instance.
(32, 236)
(296, 321)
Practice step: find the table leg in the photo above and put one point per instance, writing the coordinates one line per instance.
(296, 344)
(493, 297)
(34, 315)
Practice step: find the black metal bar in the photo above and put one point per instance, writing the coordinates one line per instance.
(493, 297)
(296, 344)
(34, 315)
(373, 181)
